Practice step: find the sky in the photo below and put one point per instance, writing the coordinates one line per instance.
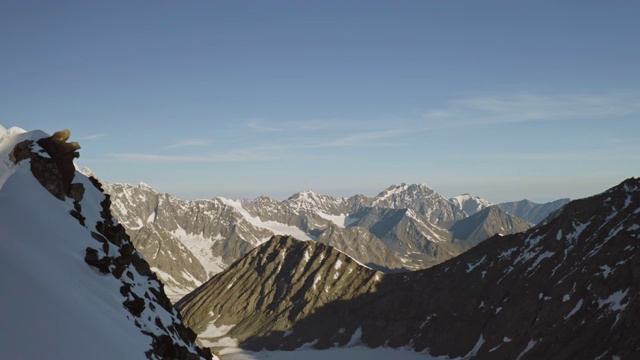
(505, 100)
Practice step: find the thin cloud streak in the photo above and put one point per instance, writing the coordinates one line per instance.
(156, 157)
(189, 143)
(367, 138)
(94, 136)
(258, 126)
(237, 155)
(530, 107)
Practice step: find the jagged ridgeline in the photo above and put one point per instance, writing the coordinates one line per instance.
(566, 289)
(405, 227)
(74, 287)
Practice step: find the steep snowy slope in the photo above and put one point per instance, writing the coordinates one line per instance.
(54, 223)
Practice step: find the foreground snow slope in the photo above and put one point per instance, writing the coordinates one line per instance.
(41, 269)
(53, 304)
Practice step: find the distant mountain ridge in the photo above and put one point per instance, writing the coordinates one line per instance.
(532, 212)
(485, 223)
(567, 289)
(405, 227)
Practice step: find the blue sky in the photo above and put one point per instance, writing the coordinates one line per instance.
(502, 99)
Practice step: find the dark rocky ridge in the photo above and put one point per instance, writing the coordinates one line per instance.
(113, 253)
(567, 289)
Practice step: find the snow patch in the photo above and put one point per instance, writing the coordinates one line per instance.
(574, 310)
(614, 301)
(355, 338)
(529, 346)
(544, 255)
(275, 227)
(342, 220)
(470, 267)
(606, 270)
(200, 247)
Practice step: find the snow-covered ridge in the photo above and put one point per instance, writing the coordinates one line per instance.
(274, 226)
(469, 203)
(106, 310)
(402, 190)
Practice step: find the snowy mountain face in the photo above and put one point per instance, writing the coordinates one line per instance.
(423, 200)
(187, 242)
(470, 204)
(567, 289)
(74, 287)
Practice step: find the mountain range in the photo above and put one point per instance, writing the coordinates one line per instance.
(405, 227)
(566, 289)
(87, 268)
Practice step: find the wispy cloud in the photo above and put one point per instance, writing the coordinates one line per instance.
(528, 107)
(94, 136)
(331, 124)
(235, 155)
(157, 157)
(368, 137)
(258, 125)
(189, 143)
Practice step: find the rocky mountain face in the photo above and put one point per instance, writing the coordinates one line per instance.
(532, 212)
(273, 287)
(423, 200)
(66, 240)
(405, 227)
(569, 288)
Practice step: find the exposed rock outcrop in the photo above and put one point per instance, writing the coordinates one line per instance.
(51, 161)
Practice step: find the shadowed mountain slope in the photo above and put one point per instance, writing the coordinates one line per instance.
(532, 212)
(486, 223)
(564, 290)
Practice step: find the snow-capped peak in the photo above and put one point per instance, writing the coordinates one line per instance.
(470, 204)
(145, 186)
